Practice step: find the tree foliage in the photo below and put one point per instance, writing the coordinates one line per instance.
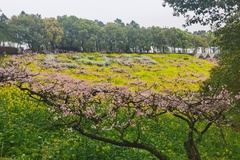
(228, 36)
(205, 12)
(28, 29)
(217, 12)
(224, 15)
(76, 34)
(53, 31)
(4, 29)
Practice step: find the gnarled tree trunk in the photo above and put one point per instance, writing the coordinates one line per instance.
(191, 147)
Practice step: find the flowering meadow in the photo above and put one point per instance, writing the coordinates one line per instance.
(161, 70)
(32, 129)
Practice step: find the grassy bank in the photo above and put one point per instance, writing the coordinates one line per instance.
(26, 134)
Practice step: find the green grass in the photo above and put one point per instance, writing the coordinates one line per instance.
(26, 134)
(126, 69)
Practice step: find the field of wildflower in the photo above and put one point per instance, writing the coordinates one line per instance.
(164, 71)
(25, 132)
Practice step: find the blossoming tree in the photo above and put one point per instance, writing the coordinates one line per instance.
(119, 115)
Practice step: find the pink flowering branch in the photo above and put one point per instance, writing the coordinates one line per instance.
(96, 109)
(92, 109)
(13, 70)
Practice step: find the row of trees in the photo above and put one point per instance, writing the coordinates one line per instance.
(72, 33)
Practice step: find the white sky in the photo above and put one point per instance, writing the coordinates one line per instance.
(145, 12)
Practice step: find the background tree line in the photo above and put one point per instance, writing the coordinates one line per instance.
(76, 34)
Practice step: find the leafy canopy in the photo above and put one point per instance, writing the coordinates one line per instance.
(204, 12)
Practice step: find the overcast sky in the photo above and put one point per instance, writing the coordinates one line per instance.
(145, 12)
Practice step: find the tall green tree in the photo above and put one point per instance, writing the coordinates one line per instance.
(229, 35)
(144, 41)
(70, 26)
(53, 32)
(28, 29)
(205, 12)
(202, 39)
(206, 36)
(158, 38)
(133, 24)
(228, 71)
(198, 41)
(4, 36)
(87, 31)
(119, 22)
(99, 23)
(115, 37)
(133, 36)
(215, 13)
(177, 38)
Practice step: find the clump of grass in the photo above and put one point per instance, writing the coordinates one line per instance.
(104, 63)
(64, 60)
(124, 60)
(144, 60)
(51, 57)
(57, 62)
(93, 59)
(118, 70)
(68, 65)
(84, 61)
(75, 57)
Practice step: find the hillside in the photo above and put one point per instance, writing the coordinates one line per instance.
(164, 71)
(25, 131)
